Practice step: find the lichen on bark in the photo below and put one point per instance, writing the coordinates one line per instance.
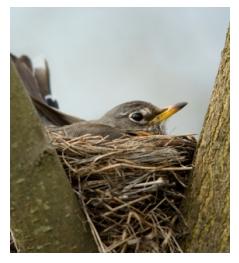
(207, 203)
(45, 213)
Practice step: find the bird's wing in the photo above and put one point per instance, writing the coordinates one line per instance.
(53, 115)
(91, 128)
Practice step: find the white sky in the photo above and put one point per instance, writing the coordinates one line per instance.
(100, 57)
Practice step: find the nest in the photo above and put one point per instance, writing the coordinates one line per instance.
(130, 188)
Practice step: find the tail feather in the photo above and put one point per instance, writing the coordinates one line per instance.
(37, 83)
(42, 76)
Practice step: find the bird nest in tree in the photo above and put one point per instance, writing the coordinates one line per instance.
(130, 188)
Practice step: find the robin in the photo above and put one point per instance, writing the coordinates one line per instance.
(130, 118)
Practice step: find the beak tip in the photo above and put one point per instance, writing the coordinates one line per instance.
(168, 112)
(182, 105)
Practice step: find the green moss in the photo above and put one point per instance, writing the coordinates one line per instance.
(45, 214)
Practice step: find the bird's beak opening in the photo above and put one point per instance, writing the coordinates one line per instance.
(167, 112)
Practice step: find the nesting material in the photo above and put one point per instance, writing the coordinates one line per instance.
(130, 188)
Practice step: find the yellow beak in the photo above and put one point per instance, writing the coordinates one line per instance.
(167, 112)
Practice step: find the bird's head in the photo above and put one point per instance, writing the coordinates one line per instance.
(140, 116)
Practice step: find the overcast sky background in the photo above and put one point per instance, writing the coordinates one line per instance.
(101, 57)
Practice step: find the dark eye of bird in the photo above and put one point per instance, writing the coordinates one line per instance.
(136, 116)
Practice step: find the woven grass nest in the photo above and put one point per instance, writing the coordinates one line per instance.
(130, 188)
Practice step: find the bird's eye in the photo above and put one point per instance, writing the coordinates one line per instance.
(136, 116)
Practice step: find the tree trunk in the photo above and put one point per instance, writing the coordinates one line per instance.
(207, 202)
(45, 214)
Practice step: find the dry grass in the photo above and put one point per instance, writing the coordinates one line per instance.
(130, 188)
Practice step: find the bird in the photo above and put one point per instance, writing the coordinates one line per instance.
(132, 118)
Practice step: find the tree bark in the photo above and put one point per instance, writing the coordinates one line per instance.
(45, 214)
(207, 202)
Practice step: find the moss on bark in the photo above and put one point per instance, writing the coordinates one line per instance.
(45, 214)
(207, 204)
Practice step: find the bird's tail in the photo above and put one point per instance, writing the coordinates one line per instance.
(37, 83)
